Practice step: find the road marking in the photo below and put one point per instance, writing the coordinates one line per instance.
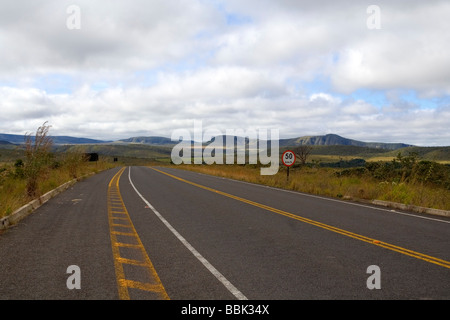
(231, 288)
(119, 219)
(376, 242)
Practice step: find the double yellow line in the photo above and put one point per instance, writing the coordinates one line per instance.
(353, 235)
(133, 253)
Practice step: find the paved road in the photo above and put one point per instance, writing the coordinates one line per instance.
(163, 233)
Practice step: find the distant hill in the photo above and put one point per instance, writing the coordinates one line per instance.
(12, 138)
(334, 139)
(325, 140)
(330, 145)
(372, 154)
(20, 139)
(158, 141)
(73, 140)
(428, 153)
(6, 143)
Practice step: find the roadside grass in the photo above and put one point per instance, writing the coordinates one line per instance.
(13, 192)
(380, 158)
(329, 182)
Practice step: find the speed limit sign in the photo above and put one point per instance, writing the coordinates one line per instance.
(288, 158)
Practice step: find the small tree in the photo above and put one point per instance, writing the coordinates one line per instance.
(37, 152)
(72, 161)
(303, 152)
(18, 165)
(408, 165)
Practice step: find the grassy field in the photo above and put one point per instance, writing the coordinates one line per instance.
(13, 193)
(423, 180)
(13, 184)
(330, 182)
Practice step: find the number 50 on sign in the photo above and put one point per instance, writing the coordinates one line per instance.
(288, 158)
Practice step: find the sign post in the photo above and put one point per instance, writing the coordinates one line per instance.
(288, 159)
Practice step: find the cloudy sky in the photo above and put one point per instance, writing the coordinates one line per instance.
(116, 69)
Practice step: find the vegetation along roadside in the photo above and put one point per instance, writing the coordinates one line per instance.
(37, 170)
(405, 179)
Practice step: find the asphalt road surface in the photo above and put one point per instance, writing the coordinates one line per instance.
(164, 233)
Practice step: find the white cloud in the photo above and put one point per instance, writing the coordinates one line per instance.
(408, 52)
(152, 67)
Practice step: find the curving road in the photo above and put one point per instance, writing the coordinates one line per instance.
(163, 233)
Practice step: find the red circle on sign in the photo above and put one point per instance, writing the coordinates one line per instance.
(288, 158)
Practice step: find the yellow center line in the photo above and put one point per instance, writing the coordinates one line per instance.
(353, 235)
(123, 284)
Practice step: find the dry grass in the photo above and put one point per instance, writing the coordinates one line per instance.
(325, 182)
(380, 158)
(13, 188)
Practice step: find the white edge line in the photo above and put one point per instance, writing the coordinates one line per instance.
(205, 262)
(325, 198)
